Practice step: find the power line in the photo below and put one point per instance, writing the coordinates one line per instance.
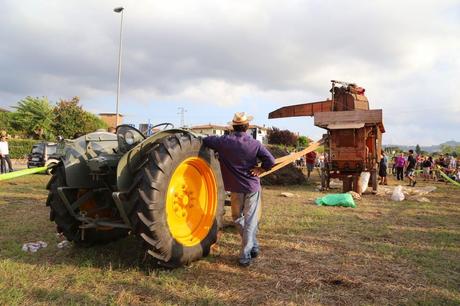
(182, 112)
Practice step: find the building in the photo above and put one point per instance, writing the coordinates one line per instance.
(3, 110)
(259, 133)
(210, 129)
(110, 119)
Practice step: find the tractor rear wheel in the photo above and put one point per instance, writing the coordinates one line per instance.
(66, 223)
(179, 200)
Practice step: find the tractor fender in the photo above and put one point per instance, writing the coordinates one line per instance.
(50, 164)
(134, 158)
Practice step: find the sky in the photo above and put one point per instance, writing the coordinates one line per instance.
(215, 58)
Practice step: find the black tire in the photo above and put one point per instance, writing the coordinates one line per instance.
(66, 223)
(149, 215)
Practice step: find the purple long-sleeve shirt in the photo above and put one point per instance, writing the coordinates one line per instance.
(238, 154)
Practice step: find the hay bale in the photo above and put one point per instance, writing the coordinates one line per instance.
(289, 175)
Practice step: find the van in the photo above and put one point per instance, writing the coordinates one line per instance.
(42, 153)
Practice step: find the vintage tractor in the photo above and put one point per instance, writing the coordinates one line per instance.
(354, 133)
(166, 189)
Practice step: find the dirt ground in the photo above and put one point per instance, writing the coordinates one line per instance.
(380, 253)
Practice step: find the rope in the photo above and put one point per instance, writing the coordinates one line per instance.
(15, 174)
(448, 178)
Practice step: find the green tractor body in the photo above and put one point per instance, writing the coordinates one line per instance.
(166, 189)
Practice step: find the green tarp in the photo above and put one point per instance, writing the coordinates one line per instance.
(337, 199)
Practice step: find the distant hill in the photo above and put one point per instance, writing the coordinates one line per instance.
(434, 148)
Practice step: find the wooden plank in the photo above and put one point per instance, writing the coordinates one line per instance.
(306, 109)
(366, 116)
(288, 159)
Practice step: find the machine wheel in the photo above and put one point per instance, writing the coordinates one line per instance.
(66, 223)
(179, 200)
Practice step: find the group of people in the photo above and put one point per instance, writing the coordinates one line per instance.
(5, 154)
(447, 164)
(399, 164)
(408, 165)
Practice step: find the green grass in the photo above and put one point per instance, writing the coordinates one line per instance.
(381, 252)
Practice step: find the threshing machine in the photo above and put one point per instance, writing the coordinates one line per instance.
(354, 133)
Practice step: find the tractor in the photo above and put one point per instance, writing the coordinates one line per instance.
(166, 189)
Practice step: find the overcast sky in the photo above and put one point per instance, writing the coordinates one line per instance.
(217, 57)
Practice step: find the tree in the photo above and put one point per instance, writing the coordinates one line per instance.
(446, 149)
(417, 149)
(303, 141)
(71, 119)
(5, 122)
(392, 150)
(34, 116)
(92, 123)
(282, 137)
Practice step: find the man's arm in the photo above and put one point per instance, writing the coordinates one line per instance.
(212, 142)
(268, 161)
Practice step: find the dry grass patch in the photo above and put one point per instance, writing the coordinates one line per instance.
(381, 252)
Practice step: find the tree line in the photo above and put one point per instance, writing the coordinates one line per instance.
(286, 138)
(38, 118)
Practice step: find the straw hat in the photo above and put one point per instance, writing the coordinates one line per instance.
(240, 119)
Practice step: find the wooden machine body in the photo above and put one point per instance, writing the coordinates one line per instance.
(354, 133)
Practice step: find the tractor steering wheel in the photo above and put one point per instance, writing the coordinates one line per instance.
(164, 124)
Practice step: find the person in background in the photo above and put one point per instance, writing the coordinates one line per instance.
(432, 168)
(419, 159)
(310, 159)
(441, 162)
(393, 165)
(440, 165)
(400, 161)
(410, 168)
(4, 154)
(238, 157)
(383, 165)
(453, 163)
(426, 166)
(457, 175)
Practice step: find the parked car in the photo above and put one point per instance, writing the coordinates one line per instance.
(43, 153)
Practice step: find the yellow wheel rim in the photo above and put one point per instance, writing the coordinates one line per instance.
(191, 201)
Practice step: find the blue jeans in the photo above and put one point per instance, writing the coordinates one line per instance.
(245, 214)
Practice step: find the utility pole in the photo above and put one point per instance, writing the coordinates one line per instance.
(182, 112)
(119, 10)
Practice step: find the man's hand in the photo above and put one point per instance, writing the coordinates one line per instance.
(256, 171)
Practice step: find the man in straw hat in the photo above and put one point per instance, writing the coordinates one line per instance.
(238, 156)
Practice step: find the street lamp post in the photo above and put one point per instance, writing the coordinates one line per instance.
(119, 10)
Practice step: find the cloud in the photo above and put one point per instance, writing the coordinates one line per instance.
(225, 53)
